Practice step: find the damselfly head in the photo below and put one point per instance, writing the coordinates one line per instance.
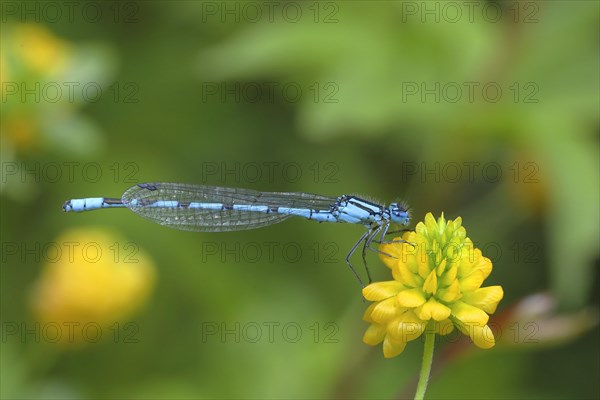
(399, 213)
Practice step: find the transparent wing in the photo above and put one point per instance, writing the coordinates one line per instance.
(142, 200)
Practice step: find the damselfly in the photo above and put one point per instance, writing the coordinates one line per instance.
(218, 209)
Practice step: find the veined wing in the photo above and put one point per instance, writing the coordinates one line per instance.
(180, 206)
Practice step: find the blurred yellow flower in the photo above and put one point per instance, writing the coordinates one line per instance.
(42, 81)
(98, 279)
(41, 50)
(437, 279)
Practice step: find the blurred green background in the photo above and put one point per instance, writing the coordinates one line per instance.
(484, 110)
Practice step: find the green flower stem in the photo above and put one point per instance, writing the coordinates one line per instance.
(427, 360)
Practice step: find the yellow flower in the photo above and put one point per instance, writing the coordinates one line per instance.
(42, 51)
(43, 88)
(437, 279)
(96, 278)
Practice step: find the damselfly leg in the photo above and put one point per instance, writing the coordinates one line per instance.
(351, 252)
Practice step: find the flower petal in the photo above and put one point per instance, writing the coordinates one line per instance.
(385, 310)
(382, 290)
(430, 223)
(407, 277)
(407, 327)
(391, 347)
(433, 310)
(450, 275)
(473, 260)
(468, 314)
(397, 250)
(451, 293)
(453, 249)
(374, 334)
(472, 282)
(486, 298)
(421, 228)
(411, 297)
(368, 312)
(482, 336)
(430, 285)
(441, 268)
(392, 249)
(485, 266)
(458, 222)
(422, 260)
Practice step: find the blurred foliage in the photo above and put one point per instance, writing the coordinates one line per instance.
(159, 120)
(44, 83)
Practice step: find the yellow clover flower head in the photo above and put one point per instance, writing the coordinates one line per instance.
(102, 280)
(437, 279)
